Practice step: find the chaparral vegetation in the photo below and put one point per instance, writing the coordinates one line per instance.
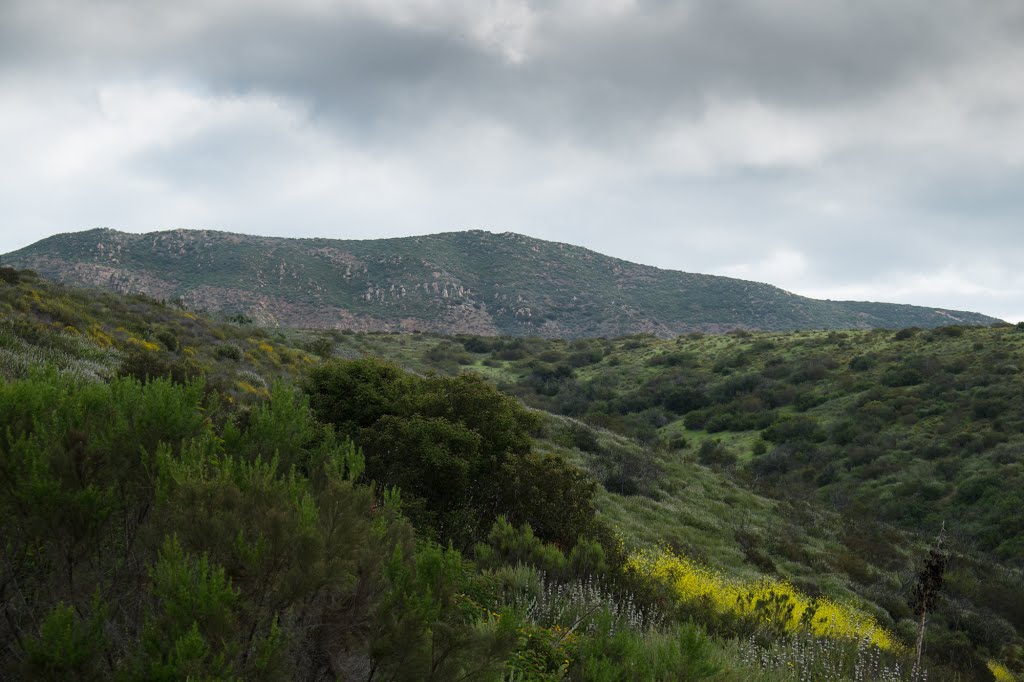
(190, 498)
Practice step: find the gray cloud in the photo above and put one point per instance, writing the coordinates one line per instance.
(362, 62)
(830, 147)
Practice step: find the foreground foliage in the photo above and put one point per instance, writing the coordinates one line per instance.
(149, 533)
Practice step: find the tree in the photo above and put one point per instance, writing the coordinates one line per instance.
(551, 495)
(926, 590)
(444, 441)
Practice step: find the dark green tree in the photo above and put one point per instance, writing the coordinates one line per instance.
(926, 590)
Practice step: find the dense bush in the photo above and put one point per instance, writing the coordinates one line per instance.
(457, 448)
(795, 429)
(124, 494)
(9, 276)
(143, 540)
(713, 454)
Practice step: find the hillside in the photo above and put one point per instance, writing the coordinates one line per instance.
(682, 495)
(472, 282)
(818, 456)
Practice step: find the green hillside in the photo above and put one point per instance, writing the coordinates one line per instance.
(728, 507)
(822, 457)
(473, 282)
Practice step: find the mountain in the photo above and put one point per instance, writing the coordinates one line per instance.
(474, 282)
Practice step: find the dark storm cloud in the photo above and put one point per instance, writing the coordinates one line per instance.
(579, 71)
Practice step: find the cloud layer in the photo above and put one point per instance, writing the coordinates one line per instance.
(838, 149)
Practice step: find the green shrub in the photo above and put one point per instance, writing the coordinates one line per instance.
(9, 276)
(68, 646)
(507, 545)
(322, 346)
(680, 653)
(794, 429)
(478, 344)
(713, 454)
(228, 352)
(862, 363)
(428, 625)
(901, 376)
(549, 494)
(146, 365)
(168, 339)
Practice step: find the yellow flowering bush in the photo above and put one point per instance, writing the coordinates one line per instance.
(98, 336)
(1001, 672)
(774, 602)
(142, 343)
(247, 387)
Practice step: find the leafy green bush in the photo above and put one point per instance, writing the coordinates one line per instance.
(228, 351)
(713, 454)
(681, 652)
(456, 447)
(69, 646)
(9, 276)
(507, 545)
(794, 429)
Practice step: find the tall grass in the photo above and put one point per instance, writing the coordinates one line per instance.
(806, 658)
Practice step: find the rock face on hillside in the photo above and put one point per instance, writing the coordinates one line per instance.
(475, 282)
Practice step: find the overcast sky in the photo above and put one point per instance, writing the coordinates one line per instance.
(865, 149)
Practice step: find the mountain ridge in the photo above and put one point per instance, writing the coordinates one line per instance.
(451, 282)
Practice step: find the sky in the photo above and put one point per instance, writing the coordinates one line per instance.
(843, 149)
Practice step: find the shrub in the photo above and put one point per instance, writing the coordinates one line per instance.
(764, 602)
(551, 495)
(428, 626)
(862, 363)
(673, 359)
(507, 545)
(681, 652)
(621, 484)
(696, 419)
(811, 369)
(715, 455)
(901, 376)
(9, 276)
(168, 339)
(69, 646)
(477, 344)
(583, 438)
(588, 356)
(228, 352)
(952, 331)
(322, 346)
(795, 429)
(146, 365)
(451, 443)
